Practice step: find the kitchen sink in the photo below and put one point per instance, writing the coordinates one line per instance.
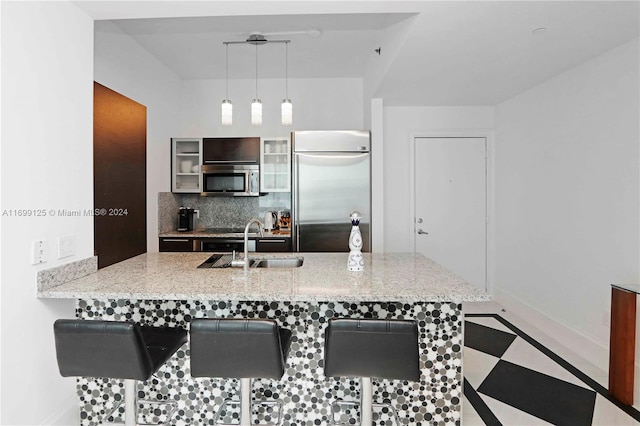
(277, 262)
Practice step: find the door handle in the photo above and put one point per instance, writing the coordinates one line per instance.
(421, 232)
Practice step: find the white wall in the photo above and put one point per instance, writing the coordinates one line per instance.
(47, 98)
(318, 104)
(567, 191)
(391, 40)
(121, 64)
(399, 125)
(377, 175)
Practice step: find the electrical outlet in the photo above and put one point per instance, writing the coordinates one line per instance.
(66, 246)
(606, 318)
(38, 252)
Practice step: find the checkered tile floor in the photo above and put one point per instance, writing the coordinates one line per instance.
(511, 379)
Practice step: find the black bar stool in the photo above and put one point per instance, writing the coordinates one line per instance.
(366, 348)
(116, 350)
(239, 348)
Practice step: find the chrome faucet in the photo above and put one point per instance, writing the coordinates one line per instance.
(245, 262)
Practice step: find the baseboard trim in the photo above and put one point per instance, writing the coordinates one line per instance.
(589, 349)
(68, 414)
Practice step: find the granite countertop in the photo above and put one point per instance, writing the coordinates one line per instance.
(323, 277)
(206, 233)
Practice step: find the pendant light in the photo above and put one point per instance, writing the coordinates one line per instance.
(227, 107)
(256, 103)
(257, 39)
(287, 106)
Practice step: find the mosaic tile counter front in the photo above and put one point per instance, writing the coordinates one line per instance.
(305, 392)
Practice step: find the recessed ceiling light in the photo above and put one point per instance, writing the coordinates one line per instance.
(539, 31)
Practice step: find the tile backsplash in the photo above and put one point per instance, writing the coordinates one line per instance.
(218, 212)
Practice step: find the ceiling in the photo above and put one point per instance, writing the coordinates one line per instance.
(337, 46)
(431, 52)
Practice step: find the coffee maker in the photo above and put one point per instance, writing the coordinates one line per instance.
(185, 219)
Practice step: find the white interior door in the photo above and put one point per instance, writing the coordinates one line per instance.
(450, 204)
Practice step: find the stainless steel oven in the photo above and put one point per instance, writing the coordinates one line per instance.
(238, 180)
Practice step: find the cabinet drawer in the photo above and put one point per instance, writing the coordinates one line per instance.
(273, 244)
(176, 244)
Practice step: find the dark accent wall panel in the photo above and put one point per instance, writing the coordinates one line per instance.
(119, 176)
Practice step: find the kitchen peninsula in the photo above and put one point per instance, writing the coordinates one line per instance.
(169, 289)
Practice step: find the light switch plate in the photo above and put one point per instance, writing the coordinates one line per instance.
(38, 252)
(66, 246)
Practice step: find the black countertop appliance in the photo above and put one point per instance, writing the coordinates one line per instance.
(185, 219)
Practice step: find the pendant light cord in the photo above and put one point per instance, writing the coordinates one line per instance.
(286, 70)
(256, 71)
(227, 72)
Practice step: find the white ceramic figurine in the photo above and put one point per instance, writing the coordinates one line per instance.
(356, 262)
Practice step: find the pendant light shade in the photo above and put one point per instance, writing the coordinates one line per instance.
(256, 112)
(287, 106)
(287, 112)
(227, 113)
(227, 107)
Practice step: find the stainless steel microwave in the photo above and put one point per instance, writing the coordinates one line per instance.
(237, 180)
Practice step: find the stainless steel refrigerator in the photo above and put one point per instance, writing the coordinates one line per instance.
(331, 178)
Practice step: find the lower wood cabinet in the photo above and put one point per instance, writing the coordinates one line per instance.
(198, 244)
(273, 244)
(177, 244)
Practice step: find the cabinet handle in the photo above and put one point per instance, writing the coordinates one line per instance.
(226, 162)
(175, 240)
(272, 241)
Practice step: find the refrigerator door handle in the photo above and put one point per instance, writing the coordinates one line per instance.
(296, 188)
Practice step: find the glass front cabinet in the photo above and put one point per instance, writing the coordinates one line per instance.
(275, 165)
(186, 158)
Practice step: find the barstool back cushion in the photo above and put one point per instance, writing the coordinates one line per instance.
(384, 349)
(238, 348)
(114, 349)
